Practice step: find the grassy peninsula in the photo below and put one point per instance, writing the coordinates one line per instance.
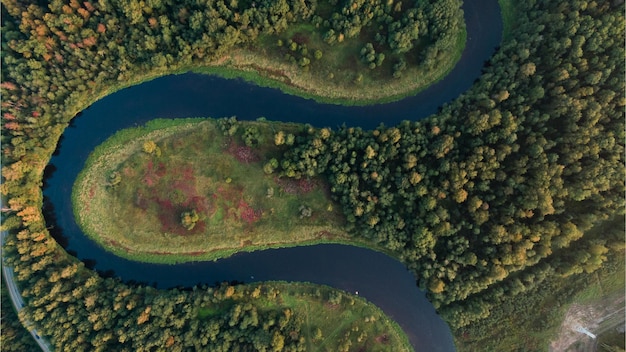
(354, 53)
(201, 189)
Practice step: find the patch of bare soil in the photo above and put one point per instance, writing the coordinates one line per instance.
(588, 316)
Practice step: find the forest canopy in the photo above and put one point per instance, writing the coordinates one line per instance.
(495, 193)
(483, 201)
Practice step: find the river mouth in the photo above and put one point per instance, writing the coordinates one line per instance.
(382, 280)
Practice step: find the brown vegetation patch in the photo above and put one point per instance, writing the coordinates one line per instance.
(161, 170)
(169, 217)
(331, 306)
(141, 201)
(292, 186)
(195, 253)
(384, 339)
(325, 235)
(129, 172)
(162, 181)
(274, 73)
(300, 38)
(243, 154)
(187, 173)
(186, 187)
(149, 178)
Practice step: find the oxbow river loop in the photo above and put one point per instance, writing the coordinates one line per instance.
(377, 277)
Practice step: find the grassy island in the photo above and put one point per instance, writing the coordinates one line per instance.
(201, 189)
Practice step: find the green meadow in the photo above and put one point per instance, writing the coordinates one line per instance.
(186, 190)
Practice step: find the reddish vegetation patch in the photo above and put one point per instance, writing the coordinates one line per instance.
(248, 214)
(184, 186)
(384, 339)
(243, 154)
(200, 204)
(114, 243)
(187, 173)
(306, 185)
(195, 253)
(128, 172)
(161, 181)
(331, 306)
(325, 235)
(161, 170)
(291, 186)
(169, 216)
(149, 177)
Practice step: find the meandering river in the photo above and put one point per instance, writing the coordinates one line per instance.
(377, 277)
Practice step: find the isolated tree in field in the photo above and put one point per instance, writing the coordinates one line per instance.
(150, 147)
(189, 219)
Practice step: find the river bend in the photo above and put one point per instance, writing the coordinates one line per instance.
(377, 277)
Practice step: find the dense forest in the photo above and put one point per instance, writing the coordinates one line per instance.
(406, 34)
(483, 202)
(495, 193)
(14, 336)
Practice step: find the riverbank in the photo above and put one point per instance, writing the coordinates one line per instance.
(263, 69)
(181, 190)
(508, 11)
(380, 55)
(331, 320)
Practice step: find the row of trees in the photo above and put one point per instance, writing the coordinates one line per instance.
(493, 194)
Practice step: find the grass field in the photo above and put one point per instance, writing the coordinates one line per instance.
(179, 190)
(507, 9)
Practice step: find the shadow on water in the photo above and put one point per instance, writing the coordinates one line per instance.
(90, 263)
(51, 221)
(109, 274)
(57, 150)
(49, 171)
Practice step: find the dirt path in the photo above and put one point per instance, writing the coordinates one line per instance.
(598, 317)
